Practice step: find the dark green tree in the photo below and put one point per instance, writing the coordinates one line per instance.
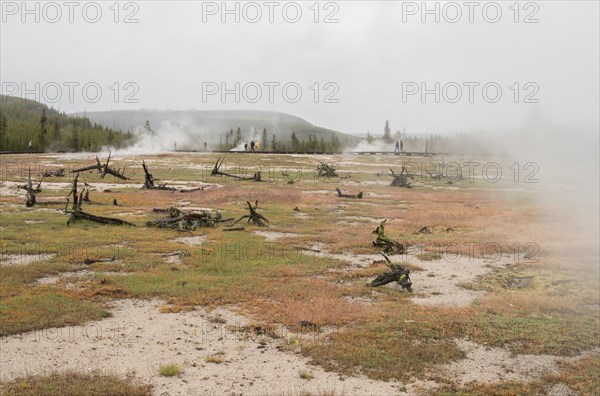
(43, 133)
(238, 136)
(3, 129)
(56, 132)
(387, 133)
(295, 142)
(264, 140)
(111, 138)
(74, 138)
(335, 143)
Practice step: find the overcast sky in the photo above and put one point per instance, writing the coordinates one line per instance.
(372, 55)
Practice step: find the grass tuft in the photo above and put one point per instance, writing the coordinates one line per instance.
(169, 370)
(306, 374)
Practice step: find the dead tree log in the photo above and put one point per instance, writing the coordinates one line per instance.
(254, 216)
(77, 214)
(234, 229)
(103, 169)
(190, 190)
(326, 170)
(149, 181)
(216, 171)
(187, 221)
(352, 196)
(398, 274)
(81, 215)
(100, 260)
(401, 179)
(389, 246)
(96, 166)
(60, 172)
(172, 211)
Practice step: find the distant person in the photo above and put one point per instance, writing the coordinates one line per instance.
(245, 146)
(175, 146)
(30, 145)
(257, 145)
(401, 146)
(252, 144)
(205, 146)
(397, 150)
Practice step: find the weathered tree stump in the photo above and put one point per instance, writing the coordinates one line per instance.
(31, 198)
(389, 246)
(401, 179)
(326, 170)
(254, 216)
(77, 214)
(149, 181)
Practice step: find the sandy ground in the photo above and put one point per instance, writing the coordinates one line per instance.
(191, 240)
(271, 236)
(138, 339)
(439, 284)
(24, 259)
(485, 364)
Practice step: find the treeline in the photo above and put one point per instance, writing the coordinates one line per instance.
(25, 121)
(270, 142)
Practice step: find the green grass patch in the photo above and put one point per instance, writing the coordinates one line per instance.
(74, 384)
(169, 370)
(383, 350)
(35, 311)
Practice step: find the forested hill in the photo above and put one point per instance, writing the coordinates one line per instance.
(25, 120)
(212, 125)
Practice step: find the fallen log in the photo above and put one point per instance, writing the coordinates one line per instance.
(186, 221)
(173, 212)
(234, 229)
(100, 260)
(398, 274)
(96, 166)
(389, 246)
(352, 196)
(192, 190)
(216, 171)
(77, 214)
(81, 215)
(103, 169)
(60, 172)
(254, 216)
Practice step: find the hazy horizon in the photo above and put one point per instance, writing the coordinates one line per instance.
(371, 54)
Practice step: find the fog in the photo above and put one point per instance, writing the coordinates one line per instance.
(368, 53)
